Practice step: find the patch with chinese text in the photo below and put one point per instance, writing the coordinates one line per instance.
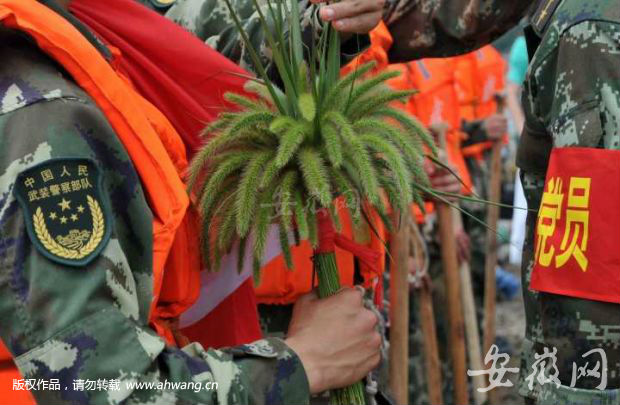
(578, 227)
(66, 217)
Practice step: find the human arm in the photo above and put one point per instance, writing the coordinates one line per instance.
(211, 21)
(357, 348)
(350, 17)
(442, 178)
(436, 28)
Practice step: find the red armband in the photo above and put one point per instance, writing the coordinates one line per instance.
(577, 241)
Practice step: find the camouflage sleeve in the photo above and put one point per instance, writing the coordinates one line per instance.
(436, 28)
(210, 20)
(75, 273)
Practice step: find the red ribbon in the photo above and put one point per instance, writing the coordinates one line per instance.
(329, 239)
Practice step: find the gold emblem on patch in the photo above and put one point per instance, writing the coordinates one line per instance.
(77, 244)
(64, 212)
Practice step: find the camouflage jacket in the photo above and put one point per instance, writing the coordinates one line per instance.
(571, 98)
(78, 327)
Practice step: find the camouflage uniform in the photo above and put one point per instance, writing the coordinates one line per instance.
(75, 321)
(571, 99)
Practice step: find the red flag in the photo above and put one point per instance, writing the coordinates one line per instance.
(185, 80)
(577, 243)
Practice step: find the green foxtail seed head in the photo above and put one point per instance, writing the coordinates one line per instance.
(263, 167)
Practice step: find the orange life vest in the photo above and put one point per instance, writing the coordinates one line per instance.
(9, 373)
(280, 286)
(155, 148)
(479, 76)
(436, 103)
(380, 43)
(465, 85)
(403, 82)
(490, 78)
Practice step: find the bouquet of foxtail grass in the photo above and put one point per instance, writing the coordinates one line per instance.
(286, 155)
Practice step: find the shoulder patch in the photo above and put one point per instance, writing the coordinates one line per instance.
(65, 214)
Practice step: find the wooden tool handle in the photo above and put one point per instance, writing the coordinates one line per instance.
(495, 184)
(471, 323)
(399, 311)
(453, 292)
